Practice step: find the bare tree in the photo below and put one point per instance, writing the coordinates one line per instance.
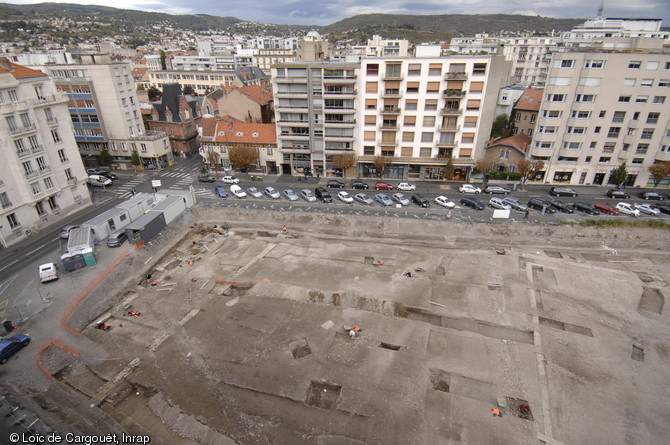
(528, 169)
(213, 158)
(381, 163)
(344, 161)
(243, 157)
(659, 171)
(486, 165)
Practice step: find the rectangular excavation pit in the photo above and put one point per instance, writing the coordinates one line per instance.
(439, 379)
(553, 254)
(323, 395)
(638, 353)
(389, 346)
(519, 408)
(652, 300)
(562, 326)
(299, 348)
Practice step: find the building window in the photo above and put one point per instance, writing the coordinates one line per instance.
(425, 152)
(4, 200)
(373, 69)
(596, 130)
(604, 159)
(585, 97)
(581, 114)
(48, 183)
(35, 187)
(13, 221)
(408, 136)
(614, 132)
(659, 99)
(594, 64)
(557, 98)
(504, 154)
(638, 160)
(479, 68)
(646, 82)
(641, 149)
(587, 159)
(572, 145)
(56, 136)
(429, 121)
(411, 105)
(641, 99)
(39, 207)
(68, 174)
(652, 118)
(551, 113)
(427, 136)
(634, 64)
(567, 63)
(624, 99)
(609, 147)
(664, 83)
(647, 133)
(368, 151)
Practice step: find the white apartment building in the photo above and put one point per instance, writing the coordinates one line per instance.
(602, 108)
(105, 112)
(529, 57)
(600, 28)
(479, 44)
(43, 179)
(420, 112)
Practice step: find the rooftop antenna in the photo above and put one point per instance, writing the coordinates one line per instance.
(600, 10)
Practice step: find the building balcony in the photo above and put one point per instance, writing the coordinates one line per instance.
(388, 126)
(453, 93)
(291, 94)
(52, 121)
(338, 137)
(340, 94)
(295, 135)
(37, 148)
(340, 123)
(43, 171)
(456, 76)
(295, 109)
(30, 175)
(50, 99)
(294, 149)
(447, 144)
(449, 128)
(391, 94)
(20, 130)
(149, 136)
(11, 107)
(72, 181)
(391, 76)
(391, 110)
(22, 153)
(451, 111)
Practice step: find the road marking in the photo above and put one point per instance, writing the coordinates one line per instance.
(35, 250)
(4, 302)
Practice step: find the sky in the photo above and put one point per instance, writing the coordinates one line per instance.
(316, 12)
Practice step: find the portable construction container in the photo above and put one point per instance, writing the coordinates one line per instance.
(108, 222)
(80, 249)
(171, 207)
(146, 227)
(187, 195)
(138, 205)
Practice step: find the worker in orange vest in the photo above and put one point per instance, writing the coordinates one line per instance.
(496, 412)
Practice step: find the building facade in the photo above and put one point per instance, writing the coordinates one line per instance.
(526, 110)
(177, 115)
(105, 112)
(603, 108)
(43, 179)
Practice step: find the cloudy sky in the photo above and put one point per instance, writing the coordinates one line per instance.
(311, 12)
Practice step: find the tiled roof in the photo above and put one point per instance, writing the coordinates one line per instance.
(18, 71)
(530, 100)
(256, 93)
(237, 131)
(519, 141)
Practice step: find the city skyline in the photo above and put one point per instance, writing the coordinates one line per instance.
(304, 12)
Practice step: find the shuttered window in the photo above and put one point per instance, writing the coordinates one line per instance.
(370, 87)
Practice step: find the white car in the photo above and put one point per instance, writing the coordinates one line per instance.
(400, 199)
(444, 202)
(498, 203)
(647, 209)
(48, 272)
(307, 195)
(237, 191)
(290, 195)
(271, 192)
(627, 209)
(345, 197)
(230, 180)
(406, 187)
(253, 191)
(469, 188)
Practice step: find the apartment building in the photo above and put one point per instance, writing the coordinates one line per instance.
(265, 58)
(421, 112)
(526, 110)
(43, 179)
(602, 108)
(177, 115)
(315, 113)
(603, 28)
(529, 57)
(479, 44)
(203, 82)
(105, 112)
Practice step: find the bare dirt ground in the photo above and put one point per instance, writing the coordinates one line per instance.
(242, 339)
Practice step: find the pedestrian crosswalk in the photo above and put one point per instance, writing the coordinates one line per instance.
(176, 174)
(126, 190)
(203, 192)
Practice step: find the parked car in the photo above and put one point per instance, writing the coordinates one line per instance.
(651, 195)
(254, 193)
(47, 272)
(363, 199)
(648, 209)
(445, 202)
(381, 185)
(469, 188)
(117, 238)
(323, 194)
(563, 191)
(541, 205)
(562, 206)
(109, 175)
(65, 231)
(406, 187)
(335, 184)
(606, 208)
(618, 194)
(206, 177)
(345, 197)
(497, 189)
(98, 181)
(627, 209)
(400, 199)
(12, 345)
(359, 185)
(498, 203)
(585, 208)
(230, 180)
(237, 191)
(220, 191)
(473, 203)
(383, 199)
(307, 195)
(515, 204)
(93, 171)
(271, 192)
(664, 209)
(420, 201)
(290, 195)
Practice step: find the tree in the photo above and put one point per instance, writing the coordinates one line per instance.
(449, 171)
(619, 174)
(486, 165)
(213, 158)
(381, 163)
(104, 158)
(659, 171)
(499, 126)
(528, 169)
(135, 159)
(163, 65)
(188, 90)
(243, 157)
(344, 161)
(154, 93)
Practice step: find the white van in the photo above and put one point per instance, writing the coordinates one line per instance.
(48, 272)
(237, 191)
(98, 180)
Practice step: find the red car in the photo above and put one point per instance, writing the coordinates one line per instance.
(381, 185)
(606, 208)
